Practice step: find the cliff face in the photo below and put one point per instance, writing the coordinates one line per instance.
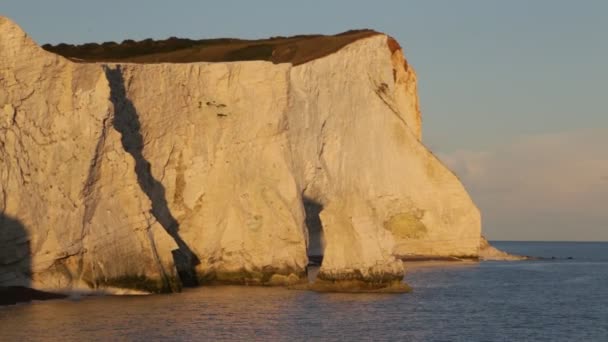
(150, 176)
(490, 253)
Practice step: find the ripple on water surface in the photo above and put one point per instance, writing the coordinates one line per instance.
(562, 300)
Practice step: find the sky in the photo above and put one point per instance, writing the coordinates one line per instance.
(512, 92)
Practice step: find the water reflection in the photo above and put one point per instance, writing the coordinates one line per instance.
(220, 312)
(488, 302)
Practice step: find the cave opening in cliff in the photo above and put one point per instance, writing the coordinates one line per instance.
(316, 240)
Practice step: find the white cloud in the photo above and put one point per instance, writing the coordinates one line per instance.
(549, 186)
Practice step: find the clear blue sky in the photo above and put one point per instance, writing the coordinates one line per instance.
(493, 76)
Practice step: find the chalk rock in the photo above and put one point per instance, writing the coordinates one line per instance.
(355, 135)
(488, 252)
(154, 176)
(72, 212)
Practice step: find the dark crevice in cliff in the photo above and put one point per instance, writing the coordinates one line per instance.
(382, 90)
(93, 175)
(126, 121)
(316, 241)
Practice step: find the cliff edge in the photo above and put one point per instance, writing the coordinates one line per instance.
(149, 174)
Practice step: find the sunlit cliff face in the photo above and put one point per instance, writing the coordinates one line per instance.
(153, 176)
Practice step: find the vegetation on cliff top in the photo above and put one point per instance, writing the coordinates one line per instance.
(296, 49)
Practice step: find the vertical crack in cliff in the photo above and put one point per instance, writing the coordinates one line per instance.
(4, 199)
(88, 190)
(381, 90)
(126, 122)
(167, 282)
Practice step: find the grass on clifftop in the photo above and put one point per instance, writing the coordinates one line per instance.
(295, 50)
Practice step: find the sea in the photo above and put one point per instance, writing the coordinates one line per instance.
(561, 297)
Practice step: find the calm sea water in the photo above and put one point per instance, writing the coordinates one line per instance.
(544, 300)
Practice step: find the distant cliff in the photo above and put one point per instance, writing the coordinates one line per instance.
(124, 169)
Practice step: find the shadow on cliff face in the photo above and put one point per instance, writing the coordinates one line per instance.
(126, 121)
(316, 242)
(15, 265)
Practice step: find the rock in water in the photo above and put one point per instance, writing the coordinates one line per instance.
(153, 176)
(488, 252)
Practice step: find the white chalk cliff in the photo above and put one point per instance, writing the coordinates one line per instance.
(150, 176)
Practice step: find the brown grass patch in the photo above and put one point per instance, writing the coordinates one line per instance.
(296, 50)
